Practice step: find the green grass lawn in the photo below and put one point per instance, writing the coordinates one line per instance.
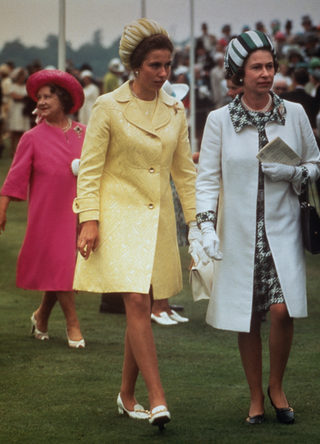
(51, 394)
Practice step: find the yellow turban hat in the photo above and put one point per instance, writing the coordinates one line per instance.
(134, 33)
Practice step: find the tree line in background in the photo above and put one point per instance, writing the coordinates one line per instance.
(93, 53)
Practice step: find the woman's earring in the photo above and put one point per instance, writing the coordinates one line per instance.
(137, 73)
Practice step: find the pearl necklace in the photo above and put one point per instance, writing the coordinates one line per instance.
(66, 128)
(263, 110)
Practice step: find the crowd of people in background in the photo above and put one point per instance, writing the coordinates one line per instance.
(298, 55)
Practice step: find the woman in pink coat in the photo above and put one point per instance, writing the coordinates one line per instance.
(42, 173)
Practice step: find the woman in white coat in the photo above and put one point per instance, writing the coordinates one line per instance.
(258, 223)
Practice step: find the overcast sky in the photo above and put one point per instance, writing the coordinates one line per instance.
(33, 20)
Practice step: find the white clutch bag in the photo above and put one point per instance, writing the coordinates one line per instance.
(201, 273)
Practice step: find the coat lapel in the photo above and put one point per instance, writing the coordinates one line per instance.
(134, 113)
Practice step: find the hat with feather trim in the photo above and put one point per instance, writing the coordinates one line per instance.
(134, 33)
(240, 47)
(60, 78)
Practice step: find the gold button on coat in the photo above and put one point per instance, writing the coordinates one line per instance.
(151, 207)
(151, 170)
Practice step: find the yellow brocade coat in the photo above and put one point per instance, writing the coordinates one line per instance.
(124, 183)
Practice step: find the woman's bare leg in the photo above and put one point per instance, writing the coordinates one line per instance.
(67, 301)
(161, 305)
(250, 348)
(280, 341)
(140, 352)
(43, 313)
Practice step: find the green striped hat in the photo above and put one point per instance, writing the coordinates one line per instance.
(243, 45)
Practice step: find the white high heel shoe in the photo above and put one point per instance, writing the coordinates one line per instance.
(37, 333)
(76, 344)
(159, 416)
(138, 411)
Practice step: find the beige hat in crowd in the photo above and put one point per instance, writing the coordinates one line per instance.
(134, 33)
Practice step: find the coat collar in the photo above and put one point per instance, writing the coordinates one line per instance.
(134, 114)
(240, 117)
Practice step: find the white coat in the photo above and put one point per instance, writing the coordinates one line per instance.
(228, 170)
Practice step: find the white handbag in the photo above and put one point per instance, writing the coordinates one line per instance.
(201, 272)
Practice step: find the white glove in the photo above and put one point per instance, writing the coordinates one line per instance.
(278, 171)
(210, 241)
(195, 240)
(75, 164)
(194, 233)
(197, 253)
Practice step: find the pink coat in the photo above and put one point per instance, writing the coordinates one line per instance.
(41, 173)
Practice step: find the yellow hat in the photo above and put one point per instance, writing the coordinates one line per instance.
(134, 33)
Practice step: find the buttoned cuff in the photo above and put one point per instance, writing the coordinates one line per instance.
(81, 204)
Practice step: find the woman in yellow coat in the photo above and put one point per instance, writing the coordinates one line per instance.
(136, 137)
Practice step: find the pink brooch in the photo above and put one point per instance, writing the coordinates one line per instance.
(175, 107)
(78, 130)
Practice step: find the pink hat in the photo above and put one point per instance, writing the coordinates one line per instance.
(60, 78)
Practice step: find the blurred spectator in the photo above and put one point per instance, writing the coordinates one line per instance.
(29, 104)
(282, 74)
(208, 40)
(221, 45)
(233, 90)
(260, 27)
(91, 93)
(217, 75)
(18, 122)
(226, 32)
(307, 24)
(6, 84)
(280, 86)
(295, 57)
(312, 47)
(314, 72)
(112, 80)
(11, 65)
(275, 27)
(300, 78)
(204, 103)
(280, 41)
(288, 31)
(245, 28)
(203, 58)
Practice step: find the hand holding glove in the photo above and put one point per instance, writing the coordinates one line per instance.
(210, 241)
(278, 171)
